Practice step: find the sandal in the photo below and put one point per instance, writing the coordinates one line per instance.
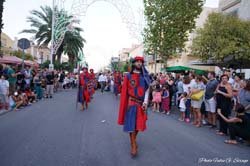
(181, 119)
(233, 142)
(198, 125)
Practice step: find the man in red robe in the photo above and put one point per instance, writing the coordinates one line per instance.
(117, 83)
(92, 82)
(83, 96)
(134, 101)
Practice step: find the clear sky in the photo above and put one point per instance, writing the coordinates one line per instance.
(104, 29)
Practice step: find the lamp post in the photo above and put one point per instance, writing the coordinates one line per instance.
(51, 66)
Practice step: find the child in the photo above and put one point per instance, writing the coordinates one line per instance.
(30, 95)
(12, 103)
(15, 101)
(43, 85)
(188, 106)
(182, 105)
(157, 98)
(165, 100)
(235, 101)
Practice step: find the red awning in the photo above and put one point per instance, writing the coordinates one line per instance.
(11, 60)
(31, 63)
(16, 60)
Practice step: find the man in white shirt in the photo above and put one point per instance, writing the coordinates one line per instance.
(231, 80)
(4, 92)
(102, 80)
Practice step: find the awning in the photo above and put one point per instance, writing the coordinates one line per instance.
(11, 60)
(16, 60)
(206, 63)
(228, 62)
(31, 63)
(179, 69)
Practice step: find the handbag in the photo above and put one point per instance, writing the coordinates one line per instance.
(197, 96)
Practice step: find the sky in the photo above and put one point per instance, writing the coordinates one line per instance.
(104, 30)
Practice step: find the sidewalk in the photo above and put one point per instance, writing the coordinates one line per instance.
(3, 111)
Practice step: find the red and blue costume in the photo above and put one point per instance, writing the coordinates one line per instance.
(131, 114)
(117, 83)
(134, 87)
(92, 82)
(134, 99)
(83, 95)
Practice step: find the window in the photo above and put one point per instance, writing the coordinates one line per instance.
(234, 13)
(4, 42)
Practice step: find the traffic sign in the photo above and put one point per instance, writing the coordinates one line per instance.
(23, 43)
(51, 67)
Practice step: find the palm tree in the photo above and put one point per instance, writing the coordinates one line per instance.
(41, 23)
(73, 43)
(1, 23)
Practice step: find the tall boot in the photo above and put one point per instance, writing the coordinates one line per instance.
(133, 144)
(86, 105)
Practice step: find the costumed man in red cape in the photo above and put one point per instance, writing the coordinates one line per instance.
(117, 83)
(134, 101)
(83, 96)
(92, 82)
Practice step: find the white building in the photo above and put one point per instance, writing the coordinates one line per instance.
(136, 50)
(124, 54)
(240, 8)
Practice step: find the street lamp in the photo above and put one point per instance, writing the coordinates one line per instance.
(51, 66)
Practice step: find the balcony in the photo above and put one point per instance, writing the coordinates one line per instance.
(227, 4)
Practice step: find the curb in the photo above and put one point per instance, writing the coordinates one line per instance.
(2, 112)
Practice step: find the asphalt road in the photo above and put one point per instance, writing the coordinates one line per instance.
(53, 133)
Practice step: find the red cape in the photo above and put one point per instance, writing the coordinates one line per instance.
(85, 92)
(123, 102)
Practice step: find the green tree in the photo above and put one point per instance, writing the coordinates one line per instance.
(113, 66)
(41, 23)
(1, 23)
(73, 42)
(168, 25)
(222, 36)
(22, 55)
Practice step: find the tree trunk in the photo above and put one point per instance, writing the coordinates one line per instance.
(58, 57)
(1, 25)
(59, 54)
(71, 59)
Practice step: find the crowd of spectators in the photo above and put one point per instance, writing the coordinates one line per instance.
(221, 103)
(22, 86)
